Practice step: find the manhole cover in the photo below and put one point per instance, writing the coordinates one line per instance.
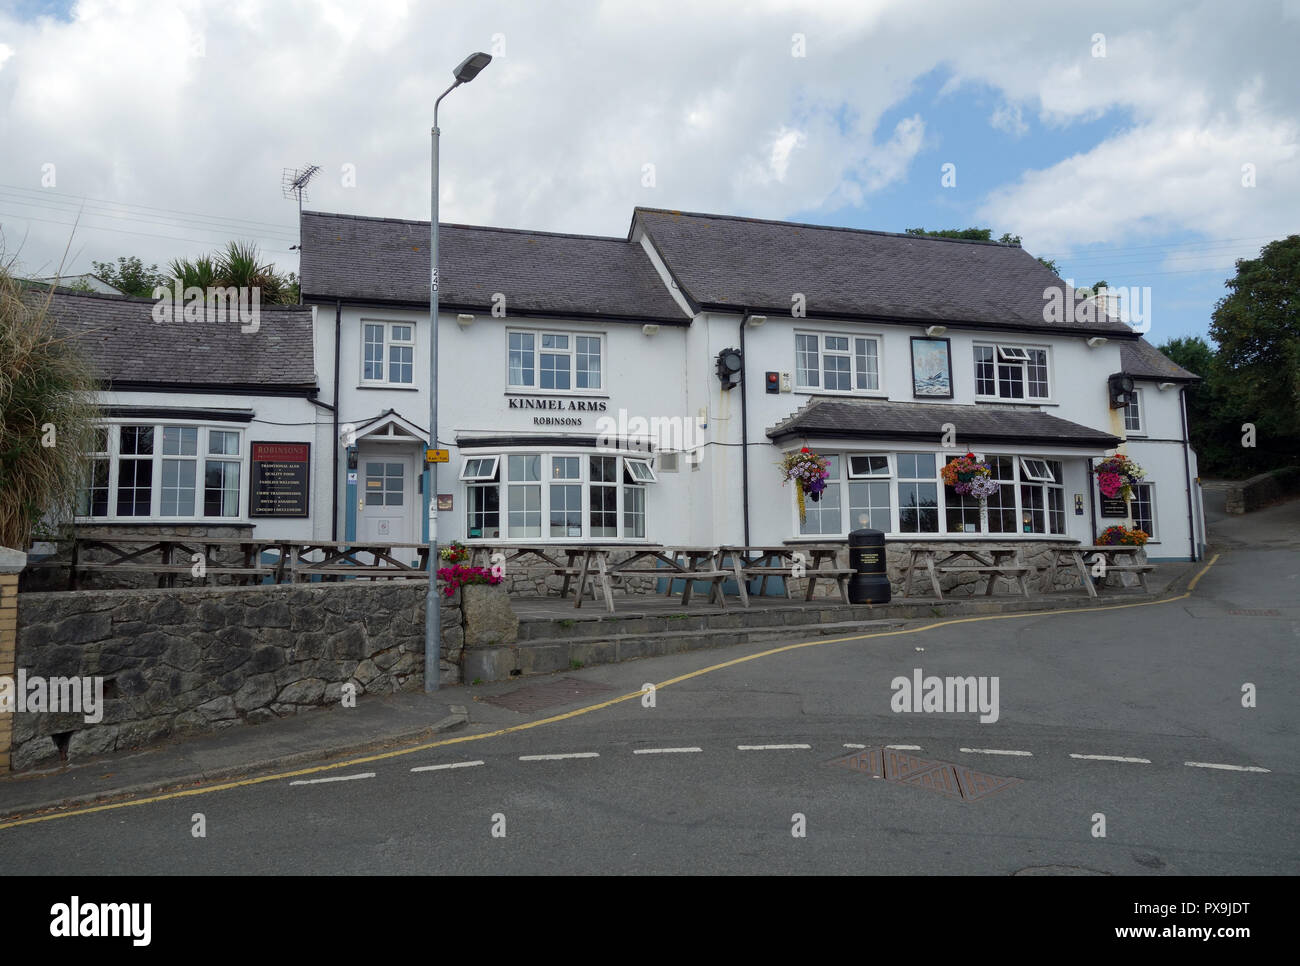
(1255, 613)
(547, 694)
(953, 781)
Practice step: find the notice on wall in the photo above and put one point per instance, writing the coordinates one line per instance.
(1114, 508)
(278, 483)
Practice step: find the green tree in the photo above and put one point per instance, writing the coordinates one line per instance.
(981, 234)
(47, 413)
(131, 276)
(1257, 328)
(238, 265)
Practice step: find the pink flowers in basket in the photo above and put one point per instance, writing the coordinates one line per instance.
(1116, 476)
(966, 475)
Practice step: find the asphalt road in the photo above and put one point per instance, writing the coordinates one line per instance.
(1160, 683)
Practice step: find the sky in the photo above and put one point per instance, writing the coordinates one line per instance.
(1148, 144)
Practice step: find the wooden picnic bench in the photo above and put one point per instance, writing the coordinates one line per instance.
(997, 562)
(794, 561)
(1114, 559)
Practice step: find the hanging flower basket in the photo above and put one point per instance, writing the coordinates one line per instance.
(808, 472)
(1116, 476)
(1116, 535)
(456, 552)
(966, 475)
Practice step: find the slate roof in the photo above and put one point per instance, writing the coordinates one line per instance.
(824, 418)
(725, 263)
(1142, 360)
(386, 260)
(127, 347)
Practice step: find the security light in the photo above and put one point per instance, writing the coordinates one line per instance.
(729, 367)
(649, 329)
(1096, 340)
(935, 330)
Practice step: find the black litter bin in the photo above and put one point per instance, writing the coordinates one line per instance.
(870, 582)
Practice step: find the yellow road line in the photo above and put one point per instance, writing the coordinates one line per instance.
(383, 756)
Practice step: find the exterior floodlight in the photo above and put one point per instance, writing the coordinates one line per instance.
(470, 66)
(935, 331)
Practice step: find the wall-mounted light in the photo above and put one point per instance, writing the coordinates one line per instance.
(649, 329)
(1097, 340)
(1122, 390)
(754, 321)
(464, 321)
(729, 367)
(1164, 386)
(934, 331)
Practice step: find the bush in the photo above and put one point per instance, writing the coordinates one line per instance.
(47, 414)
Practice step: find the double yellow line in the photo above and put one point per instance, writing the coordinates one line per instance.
(445, 742)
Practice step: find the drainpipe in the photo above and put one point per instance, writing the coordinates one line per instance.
(744, 427)
(1187, 469)
(334, 448)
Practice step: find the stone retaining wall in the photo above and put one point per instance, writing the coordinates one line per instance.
(1261, 490)
(189, 660)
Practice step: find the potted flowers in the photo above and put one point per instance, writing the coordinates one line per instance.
(454, 553)
(1116, 535)
(1116, 476)
(808, 472)
(967, 474)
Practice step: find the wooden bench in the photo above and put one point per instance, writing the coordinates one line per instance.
(997, 562)
(1116, 558)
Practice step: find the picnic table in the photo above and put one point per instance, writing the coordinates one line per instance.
(1115, 558)
(793, 561)
(593, 568)
(996, 561)
(175, 557)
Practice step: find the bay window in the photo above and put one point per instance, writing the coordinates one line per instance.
(162, 472)
(556, 496)
(918, 493)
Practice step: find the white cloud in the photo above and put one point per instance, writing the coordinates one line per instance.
(1010, 119)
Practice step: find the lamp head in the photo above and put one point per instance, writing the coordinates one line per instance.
(469, 67)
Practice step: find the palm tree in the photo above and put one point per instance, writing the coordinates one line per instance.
(241, 266)
(199, 273)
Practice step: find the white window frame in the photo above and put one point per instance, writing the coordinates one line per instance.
(480, 475)
(201, 457)
(640, 470)
(1154, 532)
(622, 482)
(571, 352)
(388, 344)
(870, 473)
(851, 354)
(1031, 473)
(1012, 355)
(1137, 404)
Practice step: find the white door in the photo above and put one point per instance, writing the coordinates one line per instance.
(388, 511)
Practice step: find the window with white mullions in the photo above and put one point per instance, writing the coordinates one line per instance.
(479, 468)
(588, 361)
(566, 496)
(1001, 506)
(639, 471)
(135, 471)
(823, 516)
(1133, 414)
(555, 365)
(1011, 372)
(861, 467)
(524, 495)
(1036, 470)
(837, 363)
(603, 496)
(918, 493)
(388, 353)
(1042, 498)
(522, 358)
(1143, 506)
(93, 499)
(558, 361)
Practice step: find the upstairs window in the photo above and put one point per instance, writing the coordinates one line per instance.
(836, 363)
(554, 361)
(1133, 415)
(388, 353)
(1011, 372)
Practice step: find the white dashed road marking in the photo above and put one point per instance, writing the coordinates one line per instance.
(996, 751)
(336, 778)
(1135, 761)
(663, 751)
(575, 754)
(850, 745)
(1206, 764)
(904, 747)
(773, 747)
(454, 764)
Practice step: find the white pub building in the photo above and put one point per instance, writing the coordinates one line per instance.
(645, 389)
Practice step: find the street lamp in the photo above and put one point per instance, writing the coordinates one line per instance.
(469, 69)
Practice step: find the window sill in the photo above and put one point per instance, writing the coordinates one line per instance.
(1016, 402)
(400, 386)
(841, 394)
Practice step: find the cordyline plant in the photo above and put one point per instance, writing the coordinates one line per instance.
(47, 414)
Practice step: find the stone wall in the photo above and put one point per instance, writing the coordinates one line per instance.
(189, 660)
(1260, 491)
(11, 563)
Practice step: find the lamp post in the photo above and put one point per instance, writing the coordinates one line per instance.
(466, 72)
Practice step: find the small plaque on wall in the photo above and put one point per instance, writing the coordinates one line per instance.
(1114, 508)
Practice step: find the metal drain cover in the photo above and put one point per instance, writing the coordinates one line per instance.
(952, 781)
(547, 694)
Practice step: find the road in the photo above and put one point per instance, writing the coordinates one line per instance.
(1159, 686)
